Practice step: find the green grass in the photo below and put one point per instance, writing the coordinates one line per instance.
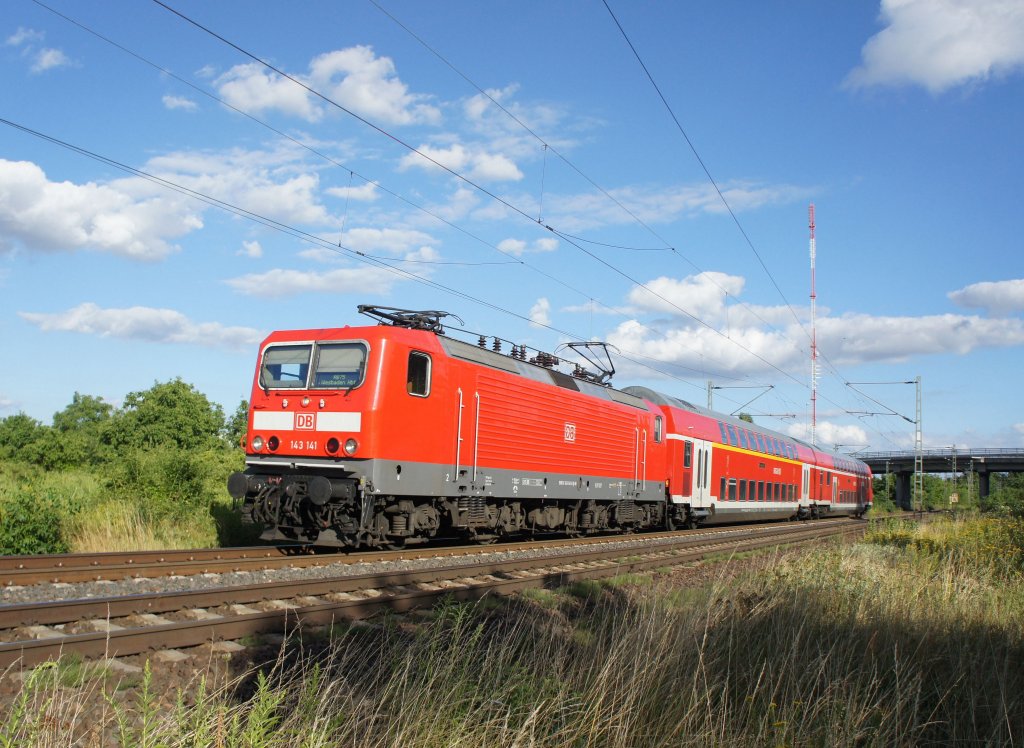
(154, 500)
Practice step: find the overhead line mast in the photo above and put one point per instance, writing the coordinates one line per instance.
(814, 336)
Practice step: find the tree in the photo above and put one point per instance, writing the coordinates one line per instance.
(746, 417)
(237, 424)
(1007, 494)
(18, 433)
(168, 414)
(80, 433)
(84, 412)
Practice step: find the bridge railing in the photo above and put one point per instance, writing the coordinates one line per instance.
(965, 454)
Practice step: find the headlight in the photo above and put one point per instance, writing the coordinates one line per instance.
(351, 445)
(332, 445)
(257, 444)
(273, 443)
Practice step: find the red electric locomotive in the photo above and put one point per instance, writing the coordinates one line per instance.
(397, 433)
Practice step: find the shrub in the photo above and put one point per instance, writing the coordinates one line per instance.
(31, 525)
(167, 482)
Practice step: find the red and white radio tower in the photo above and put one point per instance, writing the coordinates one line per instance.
(814, 338)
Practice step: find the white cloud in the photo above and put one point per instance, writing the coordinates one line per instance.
(48, 59)
(702, 295)
(279, 282)
(365, 193)
(252, 88)
(494, 167)
(323, 255)
(518, 247)
(274, 183)
(592, 306)
(295, 198)
(44, 59)
(742, 343)
(144, 324)
(939, 44)
(394, 241)
(827, 434)
(512, 246)
(354, 78)
(454, 157)
(996, 297)
(422, 254)
(477, 106)
(251, 249)
(857, 338)
(659, 205)
(179, 102)
(508, 136)
(6, 403)
(46, 216)
(23, 35)
(540, 313)
(471, 161)
(367, 84)
(460, 204)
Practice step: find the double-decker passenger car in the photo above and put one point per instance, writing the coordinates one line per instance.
(397, 433)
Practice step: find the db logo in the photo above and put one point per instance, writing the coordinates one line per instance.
(570, 432)
(305, 421)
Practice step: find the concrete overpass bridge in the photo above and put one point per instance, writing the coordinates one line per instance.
(982, 462)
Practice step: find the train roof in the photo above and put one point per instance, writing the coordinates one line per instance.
(542, 370)
(660, 398)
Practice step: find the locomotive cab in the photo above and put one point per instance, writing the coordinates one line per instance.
(312, 431)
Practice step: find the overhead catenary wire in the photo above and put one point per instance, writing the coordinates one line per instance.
(547, 146)
(633, 280)
(319, 241)
(517, 210)
(711, 179)
(329, 159)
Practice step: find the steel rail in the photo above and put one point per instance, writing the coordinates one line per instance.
(62, 611)
(499, 577)
(93, 567)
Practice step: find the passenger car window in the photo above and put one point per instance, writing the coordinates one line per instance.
(417, 381)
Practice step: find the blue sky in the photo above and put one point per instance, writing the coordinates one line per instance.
(571, 205)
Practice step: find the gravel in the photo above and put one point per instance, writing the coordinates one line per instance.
(54, 592)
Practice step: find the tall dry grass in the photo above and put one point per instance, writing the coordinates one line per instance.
(864, 645)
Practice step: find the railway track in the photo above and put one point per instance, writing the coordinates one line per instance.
(133, 624)
(17, 571)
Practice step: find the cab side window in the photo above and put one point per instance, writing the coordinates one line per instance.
(417, 381)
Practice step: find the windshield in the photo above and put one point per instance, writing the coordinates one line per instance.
(336, 366)
(285, 366)
(339, 366)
